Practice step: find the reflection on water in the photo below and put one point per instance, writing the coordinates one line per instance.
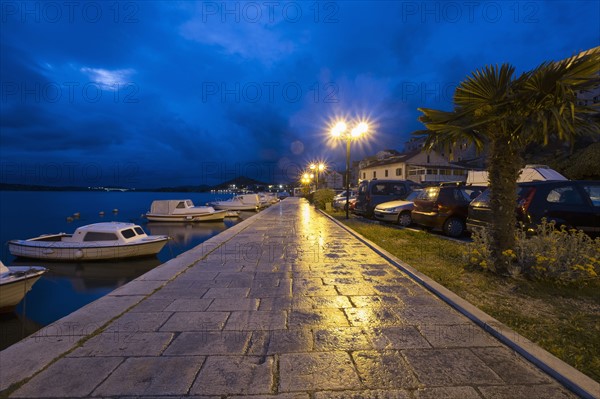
(98, 275)
(68, 286)
(15, 327)
(184, 234)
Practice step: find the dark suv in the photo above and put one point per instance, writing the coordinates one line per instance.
(569, 203)
(445, 207)
(375, 192)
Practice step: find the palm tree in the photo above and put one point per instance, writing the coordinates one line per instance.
(503, 113)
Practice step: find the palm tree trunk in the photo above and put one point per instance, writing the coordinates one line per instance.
(504, 169)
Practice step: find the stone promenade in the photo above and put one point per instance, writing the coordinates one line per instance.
(286, 305)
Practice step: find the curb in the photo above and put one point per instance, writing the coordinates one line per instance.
(571, 378)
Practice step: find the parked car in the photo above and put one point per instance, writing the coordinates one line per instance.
(445, 207)
(397, 211)
(339, 202)
(570, 203)
(374, 192)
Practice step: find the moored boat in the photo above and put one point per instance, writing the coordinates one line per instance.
(108, 240)
(182, 211)
(15, 282)
(245, 202)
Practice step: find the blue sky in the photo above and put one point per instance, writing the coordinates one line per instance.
(151, 94)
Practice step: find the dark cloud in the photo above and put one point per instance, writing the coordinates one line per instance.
(191, 94)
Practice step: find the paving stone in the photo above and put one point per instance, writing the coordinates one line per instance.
(526, 392)
(447, 393)
(457, 335)
(321, 302)
(235, 375)
(317, 370)
(266, 292)
(195, 321)
(139, 287)
(291, 395)
(275, 303)
(151, 375)
(369, 394)
(208, 343)
(343, 339)
(510, 366)
(189, 305)
(399, 337)
(442, 367)
(256, 320)
(227, 293)
(372, 317)
(152, 305)
(133, 322)
(362, 301)
(421, 315)
(69, 377)
(384, 369)
(30, 355)
(230, 304)
(318, 317)
(124, 344)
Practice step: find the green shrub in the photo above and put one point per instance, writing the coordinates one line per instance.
(559, 255)
(322, 197)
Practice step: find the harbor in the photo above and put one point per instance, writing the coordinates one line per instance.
(285, 304)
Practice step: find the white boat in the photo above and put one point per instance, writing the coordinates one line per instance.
(108, 240)
(15, 282)
(245, 202)
(267, 199)
(182, 211)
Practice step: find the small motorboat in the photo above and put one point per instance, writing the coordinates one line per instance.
(182, 211)
(245, 202)
(108, 240)
(15, 282)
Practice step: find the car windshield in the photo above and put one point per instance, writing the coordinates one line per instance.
(413, 195)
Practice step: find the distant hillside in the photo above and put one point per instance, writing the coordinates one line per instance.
(240, 182)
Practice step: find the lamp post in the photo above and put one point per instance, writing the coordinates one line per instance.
(340, 130)
(318, 168)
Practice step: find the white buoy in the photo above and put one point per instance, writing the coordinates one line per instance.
(101, 213)
(76, 215)
(115, 210)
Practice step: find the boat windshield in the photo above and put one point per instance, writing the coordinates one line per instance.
(100, 236)
(139, 231)
(128, 233)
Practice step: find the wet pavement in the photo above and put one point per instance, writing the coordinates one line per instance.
(284, 305)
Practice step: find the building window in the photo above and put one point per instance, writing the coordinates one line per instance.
(374, 174)
(386, 173)
(398, 171)
(428, 158)
(364, 175)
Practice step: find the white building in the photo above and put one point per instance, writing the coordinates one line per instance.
(420, 167)
(331, 179)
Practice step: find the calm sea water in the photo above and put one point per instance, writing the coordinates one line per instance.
(67, 287)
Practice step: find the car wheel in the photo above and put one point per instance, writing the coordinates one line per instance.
(454, 227)
(404, 219)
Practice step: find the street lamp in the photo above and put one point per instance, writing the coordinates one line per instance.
(340, 130)
(318, 168)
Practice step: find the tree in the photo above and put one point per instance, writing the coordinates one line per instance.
(503, 113)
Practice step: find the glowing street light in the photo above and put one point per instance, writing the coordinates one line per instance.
(340, 130)
(318, 168)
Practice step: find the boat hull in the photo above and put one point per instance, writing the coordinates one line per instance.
(13, 289)
(201, 217)
(233, 207)
(57, 250)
